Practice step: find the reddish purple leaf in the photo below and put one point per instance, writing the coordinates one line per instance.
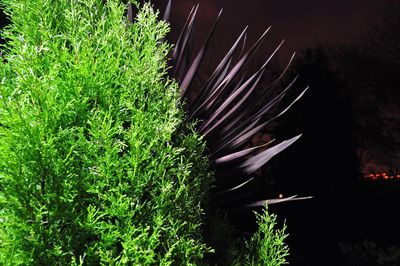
(196, 63)
(262, 158)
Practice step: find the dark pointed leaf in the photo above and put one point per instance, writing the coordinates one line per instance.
(167, 11)
(243, 46)
(275, 101)
(130, 12)
(274, 201)
(218, 74)
(293, 102)
(196, 63)
(229, 100)
(272, 54)
(262, 158)
(226, 142)
(181, 45)
(237, 92)
(245, 135)
(232, 74)
(239, 154)
(236, 187)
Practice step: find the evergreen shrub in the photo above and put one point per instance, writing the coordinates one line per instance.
(97, 165)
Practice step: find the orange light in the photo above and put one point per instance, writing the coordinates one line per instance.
(280, 195)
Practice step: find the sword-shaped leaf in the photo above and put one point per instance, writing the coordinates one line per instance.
(233, 73)
(181, 47)
(236, 187)
(130, 12)
(264, 109)
(262, 158)
(240, 154)
(274, 201)
(218, 74)
(246, 135)
(196, 63)
(229, 100)
(236, 93)
(167, 12)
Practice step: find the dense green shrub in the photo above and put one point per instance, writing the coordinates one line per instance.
(266, 246)
(96, 163)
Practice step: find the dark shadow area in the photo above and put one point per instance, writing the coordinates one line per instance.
(349, 119)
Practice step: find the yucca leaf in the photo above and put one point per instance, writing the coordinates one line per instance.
(239, 154)
(272, 54)
(167, 12)
(226, 142)
(196, 63)
(279, 78)
(130, 12)
(293, 102)
(232, 74)
(231, 110)
(236, 93)
(246, 134)
(262, 158)
(180, 53)
(259, 113)
(236, 187)
(219, 73)
(243, 45)
(229, 100)
(179, 45)
(275, 100)
(261, 203)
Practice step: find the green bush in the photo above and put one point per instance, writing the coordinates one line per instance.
(97, 165)
(266, 246)
(97, 162)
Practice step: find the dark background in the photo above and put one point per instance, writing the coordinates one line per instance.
(349, 54)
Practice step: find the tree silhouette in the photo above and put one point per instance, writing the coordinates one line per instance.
(369, 70)
(326, 161)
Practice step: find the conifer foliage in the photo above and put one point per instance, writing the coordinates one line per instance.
(97, 165)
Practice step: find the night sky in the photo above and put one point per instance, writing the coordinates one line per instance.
(303, 24)
(342, 213)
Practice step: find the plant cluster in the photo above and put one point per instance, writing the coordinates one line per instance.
(98, 164)
(231, 107)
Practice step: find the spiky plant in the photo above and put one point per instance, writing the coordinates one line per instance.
(230, 109)
(97, 163)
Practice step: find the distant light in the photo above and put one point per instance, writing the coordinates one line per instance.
(280, 195)
(380, 176)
